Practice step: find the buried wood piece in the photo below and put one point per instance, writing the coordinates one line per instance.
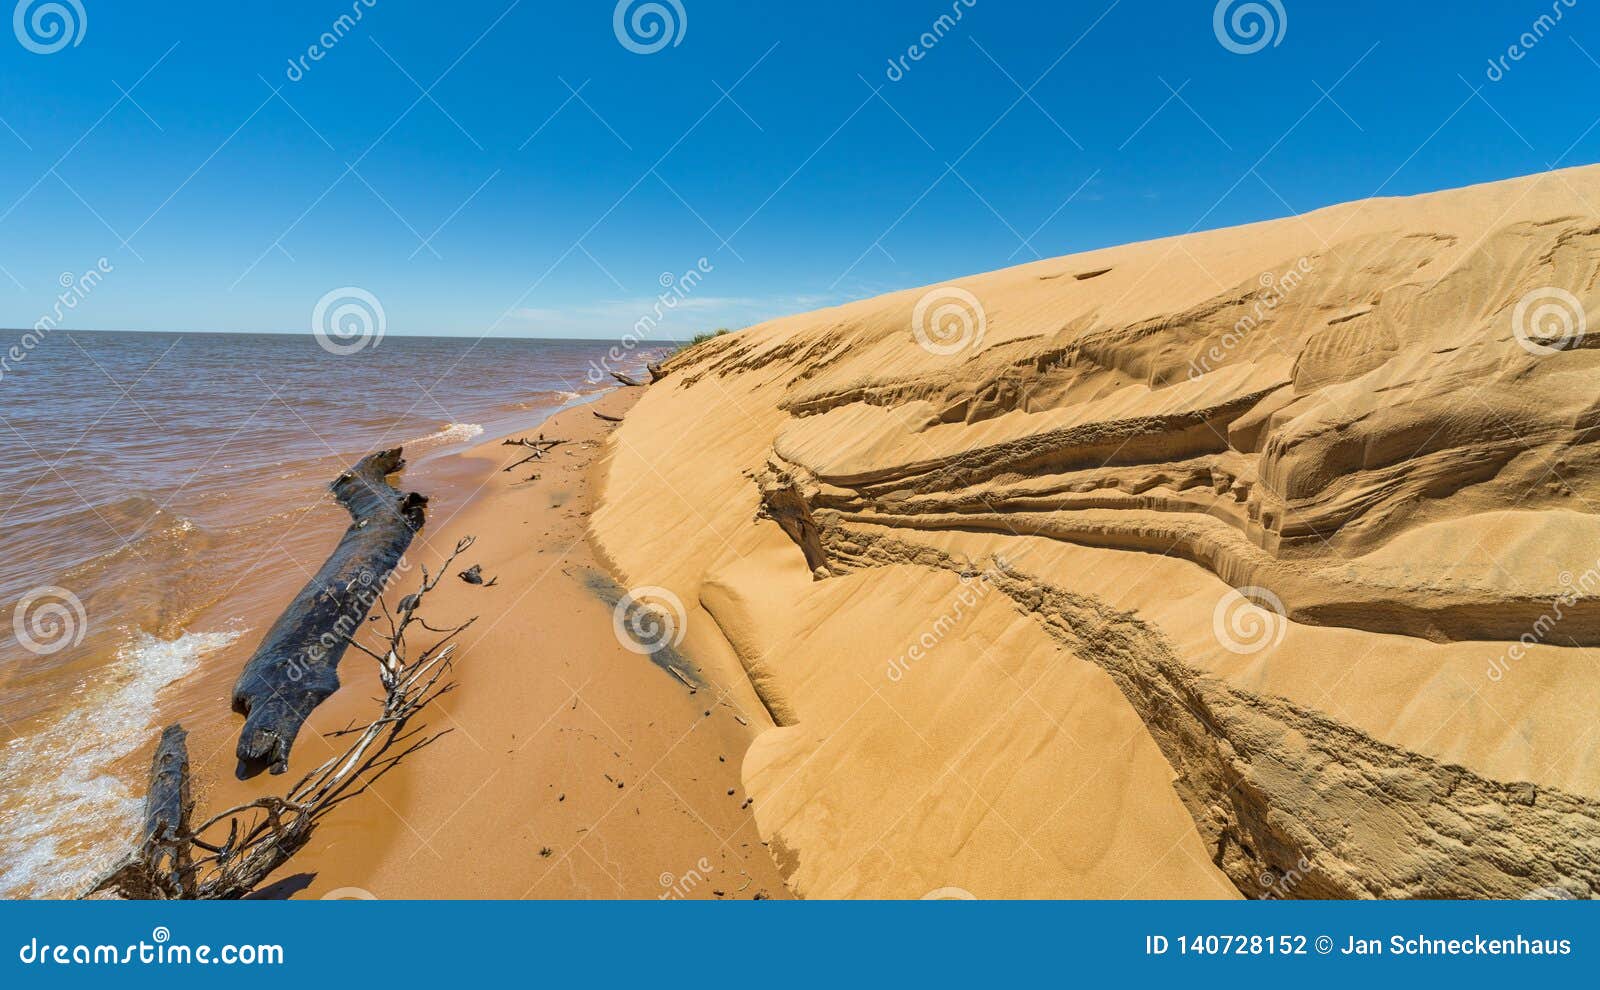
(161, 866)
(540, 443)
(296, 666)
(608, 419)
(540, 447)
(234, 852)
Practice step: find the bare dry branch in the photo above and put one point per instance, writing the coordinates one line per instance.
(234, 851)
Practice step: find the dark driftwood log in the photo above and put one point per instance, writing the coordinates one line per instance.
(296, 667)
(608, 419)
(656, 374)
(160, 866)
(235, 851)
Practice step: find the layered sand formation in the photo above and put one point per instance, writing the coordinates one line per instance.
(1261, 561)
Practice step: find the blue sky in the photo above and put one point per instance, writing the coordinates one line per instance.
(512, 168)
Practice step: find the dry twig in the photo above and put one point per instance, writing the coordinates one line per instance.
(233, 852)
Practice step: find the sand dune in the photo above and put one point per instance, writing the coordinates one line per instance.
(1258, 562)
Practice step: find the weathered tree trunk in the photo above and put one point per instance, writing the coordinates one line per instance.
(161, 865)
(628, 380)
(296, 666)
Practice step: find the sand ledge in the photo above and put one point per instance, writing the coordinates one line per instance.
(1375, 444)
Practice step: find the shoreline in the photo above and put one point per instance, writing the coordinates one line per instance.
(568, 766)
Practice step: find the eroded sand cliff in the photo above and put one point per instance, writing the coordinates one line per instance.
(1259, 561)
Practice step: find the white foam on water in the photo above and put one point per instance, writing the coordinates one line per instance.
(61, 800)
(449, 433)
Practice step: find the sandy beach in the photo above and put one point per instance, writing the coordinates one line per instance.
(570, 766)
(1119, 575)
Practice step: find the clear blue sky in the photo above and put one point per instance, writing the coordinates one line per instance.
(756, 142)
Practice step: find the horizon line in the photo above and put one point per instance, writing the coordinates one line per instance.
(310, 333)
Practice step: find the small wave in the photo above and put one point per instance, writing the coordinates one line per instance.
(61, 798)
(450, 433)
(551, 399)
